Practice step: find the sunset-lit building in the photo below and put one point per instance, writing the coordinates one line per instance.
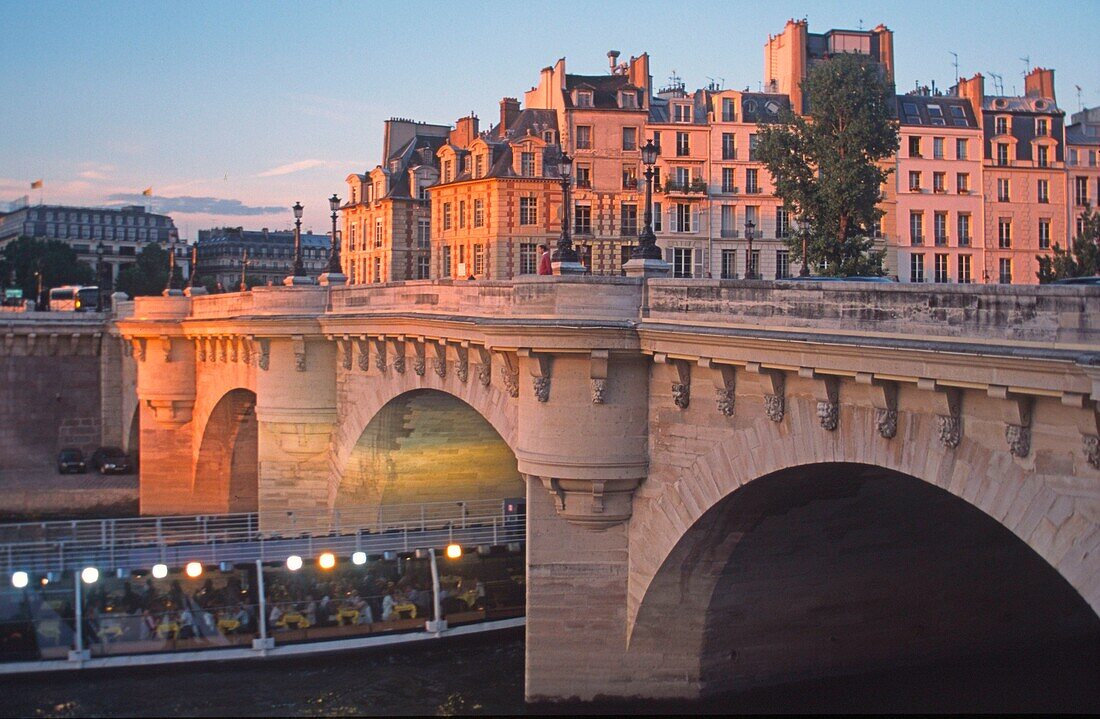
(1082, 167)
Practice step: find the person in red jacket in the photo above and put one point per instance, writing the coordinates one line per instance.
(544, 260)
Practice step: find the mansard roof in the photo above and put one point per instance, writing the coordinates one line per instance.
(605, 95)
(529, 122)
(935, 110)
(1028, 104)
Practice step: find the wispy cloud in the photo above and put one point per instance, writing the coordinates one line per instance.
(96, 171)
(197, 205)
(296, 167)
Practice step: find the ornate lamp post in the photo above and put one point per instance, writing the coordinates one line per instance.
(565, 252)
(173, 285)
(244, 265)
(334, 247)
(299, 269)
(750, 269)
(647, 242)
(99, 249)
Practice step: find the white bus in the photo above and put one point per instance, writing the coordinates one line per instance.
(74, 298)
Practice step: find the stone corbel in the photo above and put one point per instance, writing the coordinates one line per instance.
(460, 354)
(678, 374)
(74, 343)
(380, 353)
(51, 344)
(509, 373)
(345, 349)
(166, 348)
(171, 412)
(724, 377)
(247, 351)
(884, 398)
(439, 358)
(138, 343)
(398, 345)
(363, 345)
(947, 404)
(484, 365)
(298, 344)
(539, 367)
(264, 358)
(774, 384)
(1016, 413)
(597, 371)
(827, 393)
(233, 350)
(200, 349)
(419, 356)
(97, 344)
(222, 344)
(1088, 423)
(32, 341)
(9, 344)
(592, 503)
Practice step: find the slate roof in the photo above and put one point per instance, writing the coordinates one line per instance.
(605, 95)
(1078, 135)
(529, 121)
(997, 103)
(935, 110)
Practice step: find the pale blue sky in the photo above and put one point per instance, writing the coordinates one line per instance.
(264, 103)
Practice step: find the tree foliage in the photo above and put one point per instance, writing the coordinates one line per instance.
(57, 261)
(1081, 259)
(827, 167)
(148, 275)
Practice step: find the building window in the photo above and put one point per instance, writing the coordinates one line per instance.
(683, 217)
(729, 221)
(527, 164)
(940, 228)
(751, 181)
(528, 258)
(1081, 190)
(914, 181)
(729, 146)
(1006, 270)
(424, 233)
(423, 267)
(914, 146)
(584, 98)
(630, 138)
(628, 100)
(584, 137)
(447, 170)
(1002, 153)
(1044, 234)
(752, 147)
(582, 219)
(629, 220)
(728, 180)
(683, 144)
(782, 223)
(528, 210)
(962, 183)
(1041, 127)
(754, 264)
(916, 268)
(446, 215)
(682, 260)
(729, 264)
(377, 269)
(937, 148)
(1043, 156)
(916, 228)
(479, 213)
(630, 177)
(964, 229)
(378, 232)
(681, 112)
(729, 111)
(1000, 126)
(964, 270)
(445, 261)
(961, 149)
(658, 218)
(1043, 187)
(462, 213)
(1004, 233)
(479, 165)
(939, 179)
(657, 142)
(479, 260)
(782, 264)
(584, 177)
(1002, 189)
(940, 270)
(1071, 157)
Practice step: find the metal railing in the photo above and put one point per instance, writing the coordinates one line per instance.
(271, 535)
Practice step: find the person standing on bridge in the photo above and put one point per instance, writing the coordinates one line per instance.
(544, 260)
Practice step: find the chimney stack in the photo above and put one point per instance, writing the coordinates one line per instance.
(465, 131)
(509, 113)
(1040, 83)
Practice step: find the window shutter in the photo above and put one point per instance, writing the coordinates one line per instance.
(668, 255)
(697, 258)
(695, 220)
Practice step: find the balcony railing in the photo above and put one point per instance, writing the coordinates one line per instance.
(941, 240)
(696, 186)
(730, 234)
(753, 190)
(730, 189)
(916, 240)
(630, 184)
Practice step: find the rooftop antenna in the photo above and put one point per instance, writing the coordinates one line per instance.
(861, 24)
(1080, 105)
(956, 64)
(1026, 60)
(998, 82)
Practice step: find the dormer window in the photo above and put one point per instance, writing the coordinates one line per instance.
(448, 170)
(583, 98)
(681, 112)
(527, 164)
(1041, 127)
(548, 137)
(628, 99)
(1000, 125)
(479, 165)
(354, 194)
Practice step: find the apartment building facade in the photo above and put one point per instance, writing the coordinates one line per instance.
(1082, 167)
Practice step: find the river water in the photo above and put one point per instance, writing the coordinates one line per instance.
(484, 675)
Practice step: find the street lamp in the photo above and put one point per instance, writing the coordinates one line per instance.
(334, 248)
(647, 243)
(244, 264)
(99, 271)
(565, 251)
(750, 270)
(172, 288)
(194, 266)
(299, 270)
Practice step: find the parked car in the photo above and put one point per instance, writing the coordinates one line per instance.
(111, 460)
(71, 459)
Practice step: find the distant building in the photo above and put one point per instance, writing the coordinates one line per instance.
(1082, 166)
(270, 255)
(121, 231)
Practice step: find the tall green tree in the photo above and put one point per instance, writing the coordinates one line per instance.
(148, 275)
(827, 167)
(57, 261)
(1081, 259)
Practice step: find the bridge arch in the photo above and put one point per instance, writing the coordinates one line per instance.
(226, 476)
(710, 585)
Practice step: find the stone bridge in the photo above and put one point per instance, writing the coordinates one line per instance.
(729, 483)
